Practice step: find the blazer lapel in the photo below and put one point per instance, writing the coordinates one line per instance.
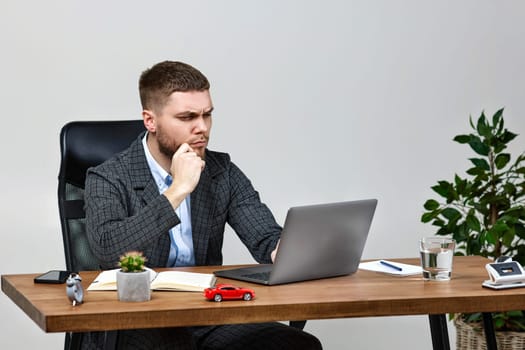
(142, 181)
(202, 209)
(146, 190)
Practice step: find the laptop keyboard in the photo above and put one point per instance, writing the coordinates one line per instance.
(261, 276)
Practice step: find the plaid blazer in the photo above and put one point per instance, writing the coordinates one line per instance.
(124, 211)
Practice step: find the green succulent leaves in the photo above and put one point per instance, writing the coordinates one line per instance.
(132, 261)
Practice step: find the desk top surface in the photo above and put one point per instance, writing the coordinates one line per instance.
(363, 294)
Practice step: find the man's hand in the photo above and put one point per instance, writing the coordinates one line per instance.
(186, 168)
(274, 252)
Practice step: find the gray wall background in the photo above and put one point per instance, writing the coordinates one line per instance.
(316, 101)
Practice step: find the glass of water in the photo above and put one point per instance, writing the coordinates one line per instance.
(436, 257)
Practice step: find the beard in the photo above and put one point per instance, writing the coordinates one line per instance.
(168, 146)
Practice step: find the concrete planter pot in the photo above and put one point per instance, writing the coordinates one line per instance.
(133, 286)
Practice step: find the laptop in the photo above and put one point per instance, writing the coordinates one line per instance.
(317, 241)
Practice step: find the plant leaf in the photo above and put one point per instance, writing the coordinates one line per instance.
(462, 138)
(498, 323)
(478, 146)
(438, 222)
(499, 227)
(480, 163)
(507, 136)
(508, 237)
(461, 185)
(499, 147)
(462, 232)
(443, 188)
(476, 171)
(431, 204)
(496, 118)
(509, 189)
(473, 222)
(451, 213)
(483, 127)
(491, 237)
(520, 230)
(502, 160)
(474, 317)
(427, 217)
(514, 313)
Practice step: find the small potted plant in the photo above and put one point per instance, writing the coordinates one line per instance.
(485, 213)
(133, 280)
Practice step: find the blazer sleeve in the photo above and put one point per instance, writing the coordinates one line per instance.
(251, 219)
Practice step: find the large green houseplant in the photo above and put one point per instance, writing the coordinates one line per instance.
(485, 210)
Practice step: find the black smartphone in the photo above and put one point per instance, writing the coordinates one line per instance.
(53, 276)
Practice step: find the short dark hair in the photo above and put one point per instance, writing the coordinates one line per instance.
(157, 83)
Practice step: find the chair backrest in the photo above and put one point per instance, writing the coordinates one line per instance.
(84, 144)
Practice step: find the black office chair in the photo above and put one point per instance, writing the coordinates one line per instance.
(85, 144)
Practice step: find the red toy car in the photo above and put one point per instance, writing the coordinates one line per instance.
(228, 292)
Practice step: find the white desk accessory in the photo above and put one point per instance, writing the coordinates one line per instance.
(504, 273)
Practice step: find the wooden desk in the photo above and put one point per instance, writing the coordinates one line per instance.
(363, 294)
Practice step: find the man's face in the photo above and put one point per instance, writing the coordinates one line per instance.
(186, 118)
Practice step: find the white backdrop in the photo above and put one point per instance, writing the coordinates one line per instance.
(315, 100)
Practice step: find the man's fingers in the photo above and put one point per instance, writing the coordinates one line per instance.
(183, 149)
(274, 252)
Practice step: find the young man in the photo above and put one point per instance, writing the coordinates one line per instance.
(170, 197)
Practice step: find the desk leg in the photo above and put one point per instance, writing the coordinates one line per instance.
(439, 332)
(490, 336)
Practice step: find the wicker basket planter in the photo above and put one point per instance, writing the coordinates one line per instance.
(472, 337)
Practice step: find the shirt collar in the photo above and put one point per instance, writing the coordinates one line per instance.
(159, 174)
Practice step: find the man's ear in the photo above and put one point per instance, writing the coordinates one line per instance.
(149, 120)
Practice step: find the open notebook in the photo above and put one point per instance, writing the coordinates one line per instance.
(165, 280)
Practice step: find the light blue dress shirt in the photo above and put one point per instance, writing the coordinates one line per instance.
(181, 250)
